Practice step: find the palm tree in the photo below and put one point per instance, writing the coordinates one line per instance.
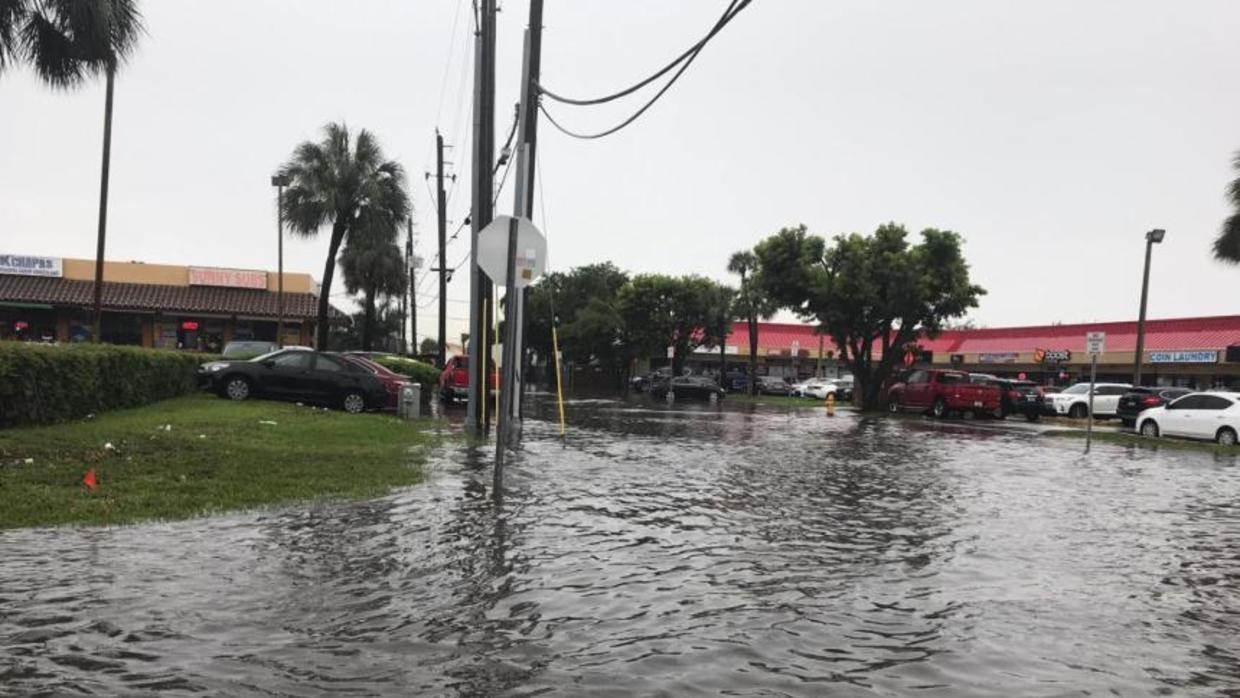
(66, 42)
(347, 184)
(1227, 245)
(372, 264)
(751, 304)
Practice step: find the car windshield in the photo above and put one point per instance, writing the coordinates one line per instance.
(1078, 389)
(244, 349)
(268, 355)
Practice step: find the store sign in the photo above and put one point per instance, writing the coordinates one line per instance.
(728, 349)
(232, 278)
(1051, 356)
(1006, 357)
(1183, 357)
(25, 265)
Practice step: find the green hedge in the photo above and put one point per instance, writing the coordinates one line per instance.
(422, 373)
(41, 384)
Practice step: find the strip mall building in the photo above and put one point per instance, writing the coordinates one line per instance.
(151, 305)
(1201, 352)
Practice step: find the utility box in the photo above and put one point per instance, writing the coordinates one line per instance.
(410, 405)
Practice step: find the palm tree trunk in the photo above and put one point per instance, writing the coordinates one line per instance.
(723, 361)
(753, 355)
(329, 270)
(97, 324)
(368, 317)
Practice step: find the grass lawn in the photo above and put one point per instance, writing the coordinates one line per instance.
(1129, 439)
(219, 455)
(784, 401)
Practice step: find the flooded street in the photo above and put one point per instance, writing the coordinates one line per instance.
(691, 550)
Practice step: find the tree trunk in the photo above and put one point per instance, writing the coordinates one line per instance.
(368, 320)
(723, 361)
(329, 270)
(97, 323)
(753, 355)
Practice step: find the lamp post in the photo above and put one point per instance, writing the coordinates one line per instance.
(280, 181)
(1151, 238)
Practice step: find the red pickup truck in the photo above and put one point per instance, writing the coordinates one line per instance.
(944, 392)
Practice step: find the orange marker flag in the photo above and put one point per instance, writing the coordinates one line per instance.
(89, 480)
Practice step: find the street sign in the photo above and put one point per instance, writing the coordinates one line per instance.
(493, 251)
(671, 352)
(796, 347)
(1095, 343)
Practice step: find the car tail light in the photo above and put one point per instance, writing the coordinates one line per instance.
(460, 377)
(1151, 401)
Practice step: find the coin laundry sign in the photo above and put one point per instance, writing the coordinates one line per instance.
(1183, 357)
(25, 265)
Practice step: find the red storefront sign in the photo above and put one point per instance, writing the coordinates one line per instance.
(232, 278)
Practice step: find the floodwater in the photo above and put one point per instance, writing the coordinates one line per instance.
(690, 550)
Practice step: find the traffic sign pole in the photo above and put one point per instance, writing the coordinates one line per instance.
(1095, 344)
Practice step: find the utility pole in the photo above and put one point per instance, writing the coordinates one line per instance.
(1151, 238)
(480, 305)
(280, 181)
(523, 199)
(412, 346)
(443, 244)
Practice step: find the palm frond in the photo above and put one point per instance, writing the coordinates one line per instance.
(1227, 244)
(67, 40)
(12, 15)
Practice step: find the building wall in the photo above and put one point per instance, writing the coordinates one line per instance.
(168, 275)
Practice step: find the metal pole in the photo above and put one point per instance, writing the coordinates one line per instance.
(97, 335)
(280, 265)
(1145, 290)
(443, 244)
(412, 347)
(503, 419)
(1089, 425)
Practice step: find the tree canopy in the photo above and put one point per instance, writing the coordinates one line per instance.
(1227, 244)
(874, 295)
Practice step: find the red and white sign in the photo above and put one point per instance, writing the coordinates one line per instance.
(232, 278)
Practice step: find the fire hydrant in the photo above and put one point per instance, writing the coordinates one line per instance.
(830, 404)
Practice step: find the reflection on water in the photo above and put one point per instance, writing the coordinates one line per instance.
(669, 551)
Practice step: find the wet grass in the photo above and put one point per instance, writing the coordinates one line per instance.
(784, 401)
(218, 456)
(1130, 439)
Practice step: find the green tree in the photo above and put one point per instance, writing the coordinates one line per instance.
(372, 265)
(751, 305)
(428, 346)
(659, 311)
(562, 298)
(345, 183)
(67, 42)
(1227, 244)
(875, 296)
(720, 309)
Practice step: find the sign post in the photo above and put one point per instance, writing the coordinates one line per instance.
(1095, 344)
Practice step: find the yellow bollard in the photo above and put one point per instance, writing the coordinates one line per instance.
(830, 404)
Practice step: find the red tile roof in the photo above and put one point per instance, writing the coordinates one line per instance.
(158, 297)
(1160, 335)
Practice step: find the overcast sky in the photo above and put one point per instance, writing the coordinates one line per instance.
(1051, 135)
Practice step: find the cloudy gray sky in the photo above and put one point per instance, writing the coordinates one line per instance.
(1051, 135)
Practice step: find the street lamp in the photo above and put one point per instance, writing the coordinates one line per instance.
(1151, 238)
(280, 181)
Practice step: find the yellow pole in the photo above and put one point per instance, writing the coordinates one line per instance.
(830, 404)
(559, 386)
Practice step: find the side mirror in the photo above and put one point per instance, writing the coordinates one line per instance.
(270, 363)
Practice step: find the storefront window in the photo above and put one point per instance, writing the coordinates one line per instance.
(256, 330)
(121, 328)
(28, 324)
(166, 334)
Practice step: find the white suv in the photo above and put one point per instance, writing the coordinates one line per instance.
(1074, 402)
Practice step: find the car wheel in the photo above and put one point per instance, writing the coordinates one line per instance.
(1078, 411)
(893, 404)
(237, 388)
(1032, 416)
(940, 408)
(999, 413)
(353, 402)
(1149, 429)
(1226, 437)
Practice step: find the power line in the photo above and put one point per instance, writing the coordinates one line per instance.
(727, 16)
(692, 56)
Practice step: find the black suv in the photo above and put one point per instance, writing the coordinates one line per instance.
(1142, 398)
(1018, 396)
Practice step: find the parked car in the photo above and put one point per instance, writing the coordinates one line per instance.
(820, 391)
(392, 381)
(1074, 401)
(773, 385)
(944, 392)
(692, 387)
(1141, 398)
(642, 383)
(1017, 396)
(816, 385)
(843, 388)
(1211, 416)
(241, 350)
(454, 380)
(736, 382)
(297, 374)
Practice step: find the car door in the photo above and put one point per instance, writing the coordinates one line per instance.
(285, 375)
(916, 390)
(1207, 416)
(1106, 399)
(1176, 419)
(328, 379)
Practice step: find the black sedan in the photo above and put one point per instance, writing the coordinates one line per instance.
(1140, 399)
(296, 374)
(692, 387)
